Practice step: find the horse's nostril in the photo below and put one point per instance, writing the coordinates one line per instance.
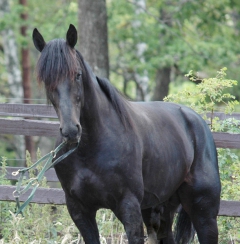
(64, 133)
(61, 131)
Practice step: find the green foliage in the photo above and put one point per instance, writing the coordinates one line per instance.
(205, 97)
(230, 172)
(208, 96)
(198, 35)
(3, 170)
(6, 149)
(44, 16)
(39, 225)
(52, 18)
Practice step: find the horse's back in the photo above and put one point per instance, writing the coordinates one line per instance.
(174, 119)
(172, 124)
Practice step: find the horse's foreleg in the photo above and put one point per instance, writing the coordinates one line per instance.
(84, 220)
(129, 213)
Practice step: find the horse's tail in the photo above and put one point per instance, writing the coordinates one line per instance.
(184, 230)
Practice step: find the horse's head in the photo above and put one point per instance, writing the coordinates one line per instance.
(60, 69)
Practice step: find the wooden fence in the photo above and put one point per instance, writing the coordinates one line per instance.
(36, 126)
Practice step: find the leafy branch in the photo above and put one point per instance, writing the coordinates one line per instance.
(208, 96)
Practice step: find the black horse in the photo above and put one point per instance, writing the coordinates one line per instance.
(139, 159)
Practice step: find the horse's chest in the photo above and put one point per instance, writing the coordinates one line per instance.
(93, 188)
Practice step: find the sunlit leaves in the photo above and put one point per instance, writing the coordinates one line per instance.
(208, 95)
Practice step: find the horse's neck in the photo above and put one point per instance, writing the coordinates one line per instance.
(94, 100)
(95, 105)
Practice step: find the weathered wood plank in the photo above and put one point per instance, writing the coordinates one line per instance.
(223, 116)
(56, 196)
(27, 110)
(229, 208)
(226, 140)
(50, 129)
(42, 195)
(50, 174)
(29, 127)
(47, 111)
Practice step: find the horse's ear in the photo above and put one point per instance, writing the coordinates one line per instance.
(71, 36)
(38, 40)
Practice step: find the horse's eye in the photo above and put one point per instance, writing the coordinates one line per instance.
(78, 75)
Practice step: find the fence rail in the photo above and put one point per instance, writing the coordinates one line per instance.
(27, 110)
(36, 126)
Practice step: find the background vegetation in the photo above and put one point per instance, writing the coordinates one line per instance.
(152, 45)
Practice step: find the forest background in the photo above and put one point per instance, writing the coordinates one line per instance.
(145, 49)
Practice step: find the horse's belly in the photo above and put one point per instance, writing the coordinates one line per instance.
(152, 199)
(161, 180)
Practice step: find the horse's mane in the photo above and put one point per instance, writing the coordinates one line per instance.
(58, 61)
(119, 102)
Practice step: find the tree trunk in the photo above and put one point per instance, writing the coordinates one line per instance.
(163, 75)
(162, 83)
(141, 79)
(11, 57)
(14, 74)
(26, 79)
(93, 35)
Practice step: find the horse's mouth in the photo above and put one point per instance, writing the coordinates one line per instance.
(72, 141)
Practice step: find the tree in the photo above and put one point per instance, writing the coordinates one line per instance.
(13, 71)
(142, 78)
(163, 73)
(93, 35)
(26, 71)
(179, 36)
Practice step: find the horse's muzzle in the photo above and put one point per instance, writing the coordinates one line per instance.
(71, 134)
